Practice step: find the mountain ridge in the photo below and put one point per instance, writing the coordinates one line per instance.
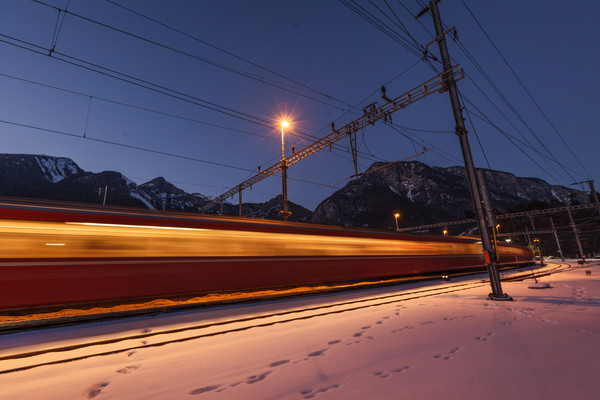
(421, 193)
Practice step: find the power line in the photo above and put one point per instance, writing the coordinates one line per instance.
(187, 54)
(136, 81)
(500, 94)
(525, 88)
(159, 152)
(112, 101)
(222, 50)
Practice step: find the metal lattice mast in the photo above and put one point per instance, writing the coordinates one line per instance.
(372, 114)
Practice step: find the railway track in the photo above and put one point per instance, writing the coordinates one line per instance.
(21, 358)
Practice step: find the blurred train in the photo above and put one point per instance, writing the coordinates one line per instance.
(65, 254)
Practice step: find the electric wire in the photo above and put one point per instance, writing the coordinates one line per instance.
(107, 26)
(525, 88)
(188, 54)
(511, 108)
(139, 148)
(137, 81)
(496, 89)
(224, 51)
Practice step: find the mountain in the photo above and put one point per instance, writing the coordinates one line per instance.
(59, 178)
(424, 194)
(420, 193)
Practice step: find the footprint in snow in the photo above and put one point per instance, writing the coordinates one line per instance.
(127, 370)
(549, 321)
(146, 330)
(312, 393)
(257, 378)
(205, 389)
(485, 337)
(334, 342)
(384, 374)
(95, 390)
(278, 363)
(317, 353)
(448, 355)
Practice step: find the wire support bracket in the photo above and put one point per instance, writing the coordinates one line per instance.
(371, 114)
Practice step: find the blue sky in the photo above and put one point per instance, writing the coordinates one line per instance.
(319, 58)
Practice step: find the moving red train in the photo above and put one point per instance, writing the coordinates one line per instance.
(57, 254)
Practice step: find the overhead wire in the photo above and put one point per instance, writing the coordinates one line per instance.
(493, 85)
(265, 122)
(525, 88)
(56, 55)
(42, 51)
(139, 148)
(150, 110)
(190, 55)
(223, 50)
(510, 107)
(124, 32)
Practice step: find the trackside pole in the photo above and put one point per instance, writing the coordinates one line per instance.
(461, 132)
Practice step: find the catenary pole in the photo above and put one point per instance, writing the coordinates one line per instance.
(556, 238)
(461, 132)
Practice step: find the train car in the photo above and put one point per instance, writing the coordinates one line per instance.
(64, 254)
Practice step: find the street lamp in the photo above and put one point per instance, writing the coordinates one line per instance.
(397, 215)
(284, 124)
(284, 211)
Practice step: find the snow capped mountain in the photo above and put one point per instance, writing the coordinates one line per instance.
(56, 168)
(59, 178)
(424, 194)
(421, 193)
(158, 194)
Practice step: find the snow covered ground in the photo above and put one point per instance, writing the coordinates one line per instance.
(543, 345)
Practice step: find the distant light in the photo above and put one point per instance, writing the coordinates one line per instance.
(55, 244)
(508, 240)
(285, 124)
(397, 215)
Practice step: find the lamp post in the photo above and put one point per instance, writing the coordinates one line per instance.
(285, 212)
(396, 216)
(284, 124)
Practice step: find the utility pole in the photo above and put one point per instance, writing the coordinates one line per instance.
(557, 242)
(594, 195)
(285, 211)
(100, 194)
(461, 132)
(592, 192)
(574, 227)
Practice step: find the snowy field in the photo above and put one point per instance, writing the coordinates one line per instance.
(543, 345)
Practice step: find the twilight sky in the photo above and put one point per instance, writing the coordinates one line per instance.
(194, 90)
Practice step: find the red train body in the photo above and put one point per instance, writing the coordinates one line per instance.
(66, 254)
